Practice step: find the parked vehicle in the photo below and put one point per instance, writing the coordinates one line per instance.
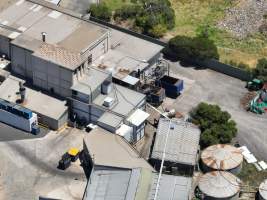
(255, 84)
(71, 156)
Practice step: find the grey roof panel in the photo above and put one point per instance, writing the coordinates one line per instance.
(171, 187)
(182, 145)
(126, 100)
(110, 119)
(90, 81)
(108, 185)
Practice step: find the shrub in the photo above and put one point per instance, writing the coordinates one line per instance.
(198, 47)
(260, 71)
(216, 125)
(127, 11)
(100, 11)
(157, 31)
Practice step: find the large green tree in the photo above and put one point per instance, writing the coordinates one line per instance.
(216, 125)
(260, 71)
(199, 47)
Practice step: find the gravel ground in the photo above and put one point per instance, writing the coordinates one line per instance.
(210, 86)
(245, 18)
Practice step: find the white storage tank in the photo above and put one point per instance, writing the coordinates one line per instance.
(263, 190)
(219, 185)
(222, 157)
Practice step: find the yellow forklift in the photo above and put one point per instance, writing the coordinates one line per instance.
(71, 156)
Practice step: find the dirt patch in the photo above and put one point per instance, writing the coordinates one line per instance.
(247, 98)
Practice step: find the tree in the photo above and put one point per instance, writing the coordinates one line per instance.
(198, 47)
(260, 71)
(216, 125)
(100, 11)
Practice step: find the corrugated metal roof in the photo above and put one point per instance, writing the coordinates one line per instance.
(109, 184)
(136, 184)
(222, 156)
(219, 184)
(172, 187)
(263, 189)
(182, 144)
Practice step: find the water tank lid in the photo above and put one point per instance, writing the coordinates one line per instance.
(219, 184)
(222, 157)
(263, 189)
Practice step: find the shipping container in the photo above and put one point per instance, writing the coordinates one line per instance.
(173, 86)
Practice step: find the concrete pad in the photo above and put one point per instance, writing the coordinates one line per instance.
(29, 167)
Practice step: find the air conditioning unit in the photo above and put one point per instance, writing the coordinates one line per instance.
(108, 101)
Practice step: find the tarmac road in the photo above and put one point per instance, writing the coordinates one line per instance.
(8, 133)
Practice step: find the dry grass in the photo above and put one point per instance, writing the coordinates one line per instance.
(250, 176)
(191, 14)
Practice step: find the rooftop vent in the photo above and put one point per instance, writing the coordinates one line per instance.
(22, 92)
(44, 36)
(108, 101)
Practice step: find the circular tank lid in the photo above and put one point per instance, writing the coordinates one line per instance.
(219, 184)
(263, 189)
(222, 157)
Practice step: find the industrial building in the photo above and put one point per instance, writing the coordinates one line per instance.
(219, 185)
(128, 58)
(263, 190)
(134, 184)
(222, 157)
(51, 112)
(50, 49)
(95, 99)
(182, 145)
(54, 51)
(118, 172)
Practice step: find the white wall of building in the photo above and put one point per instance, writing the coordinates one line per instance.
(17, 121)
